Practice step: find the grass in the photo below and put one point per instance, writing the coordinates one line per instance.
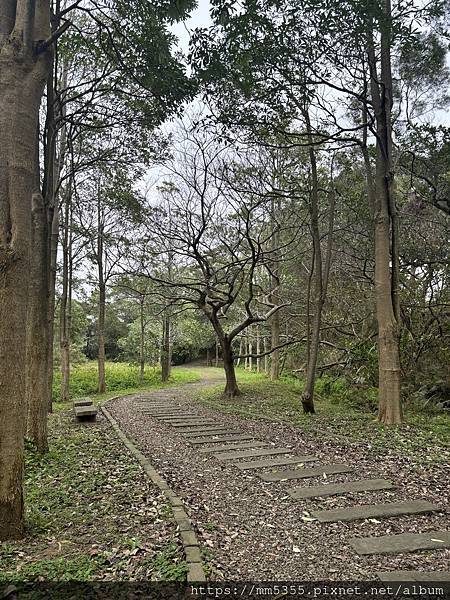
(344, 414)
(121, 379)
(90, 514)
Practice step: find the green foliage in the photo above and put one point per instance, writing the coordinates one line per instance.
(166, 567)
(80, 568)
(119, 377)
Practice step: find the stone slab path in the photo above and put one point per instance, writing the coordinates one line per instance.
(372, 511)
(335, 489)
(298, 510)
(241, 446)
(196, 432)
(252, 453)
(403, 542)
(273, 462)
(220, 438)
(306, 473)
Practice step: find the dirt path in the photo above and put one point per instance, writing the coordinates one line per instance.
(254, 529)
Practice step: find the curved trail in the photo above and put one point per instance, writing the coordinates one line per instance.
(255, 494)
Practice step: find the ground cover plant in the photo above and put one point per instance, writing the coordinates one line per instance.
(120, 378)
(346, 413)
(91, 514)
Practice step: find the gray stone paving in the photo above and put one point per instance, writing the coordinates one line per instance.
(251, 453)
(403, 542)
(209, 432)
(185, 418)
(240, 446)
(273, 462)
(305, 473)
(335, 489)
(220, 438)
(204, 422)
(367, 511)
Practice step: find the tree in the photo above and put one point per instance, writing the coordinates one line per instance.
(24, 67)
(262, 63)
(219, 240)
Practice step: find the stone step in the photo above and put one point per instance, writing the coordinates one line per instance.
(406, 576)
(209, 432)
(402, 542)
(150, 404)
(179, 414)
(82, 402)
(368, 511)
(273, 462)
(183, 424)
(172, 410)
(85, 412)
(334, 489)
(187, 417)
(173, 417)
(305, 473)
(240, 446)
(252, 453)
(220, 438)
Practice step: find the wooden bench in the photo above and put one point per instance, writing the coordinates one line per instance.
(84, 409)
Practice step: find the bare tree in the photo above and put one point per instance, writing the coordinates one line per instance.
(220, 240)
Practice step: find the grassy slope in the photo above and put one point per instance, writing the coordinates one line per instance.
(424, 437)
(121, 379)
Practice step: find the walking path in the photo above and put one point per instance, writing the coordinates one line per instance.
(239, 483)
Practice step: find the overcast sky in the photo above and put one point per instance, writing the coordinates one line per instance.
(198, 18)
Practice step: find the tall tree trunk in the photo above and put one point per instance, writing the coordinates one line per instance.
(250, 349)
(266, 356)
(231, 387)
(65, 302)
(217, 353)
(308, 391)
(274, 320)
(101, 336)
(54, 166)
(142, 340)
(22, 79)
(241, 351)
(166, 357)
(258, 350)
(51, 287)
(386, 231)
(37, 333)
(101, 296)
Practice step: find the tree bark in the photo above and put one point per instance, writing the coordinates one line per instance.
(308, 392)
(66, 297)
(22, 79)
(166, 357)
(101, 297)
(101, 336)
(258, 350)
(231, 387)
(37, 333)
(274, 320)
(386, 231)
(217, 353)
(142, 340)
